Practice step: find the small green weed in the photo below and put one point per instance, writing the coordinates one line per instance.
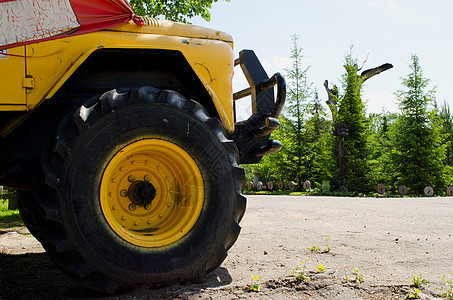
(346, 277)
(358, 276)
(320, 269)
(254, 286)
(448, 288)
(326, 249)
(315, 249)
(300, 272)
(418, 281)
(415, 294)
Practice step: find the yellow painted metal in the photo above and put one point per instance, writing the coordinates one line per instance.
(208, 52)
(179, 193)
(12, 73)
(163, 27)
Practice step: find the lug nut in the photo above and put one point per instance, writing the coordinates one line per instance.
(148, 206)
(148, 178)
(132, 207)
(123, 193)
(131, 178)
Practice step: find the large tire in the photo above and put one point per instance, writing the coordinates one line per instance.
(24, 202)
(139, 187)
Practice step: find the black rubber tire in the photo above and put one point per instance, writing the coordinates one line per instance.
(24, 200)
(67, 210)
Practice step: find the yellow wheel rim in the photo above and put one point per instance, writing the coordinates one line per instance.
(137, 172)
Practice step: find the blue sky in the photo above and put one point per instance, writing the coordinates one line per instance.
(382, 30)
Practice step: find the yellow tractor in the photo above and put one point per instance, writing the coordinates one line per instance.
(125, 150)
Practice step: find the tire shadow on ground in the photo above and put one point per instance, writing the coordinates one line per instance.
(34, 276)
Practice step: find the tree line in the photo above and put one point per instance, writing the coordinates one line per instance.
(412, 147)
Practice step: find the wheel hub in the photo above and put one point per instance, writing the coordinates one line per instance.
(142, 192)
(151, 193)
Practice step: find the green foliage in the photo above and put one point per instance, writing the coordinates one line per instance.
(358, 276)
(320, 162)
(418, 281)
(298, 94)
(356, 144)
(301, 273)
(320, 268)
(304, 131)
(417, 155)
(8, 218)
(173, 10)
(326, 249)
(414, 147)
(415, 294)
(254, 286)
(446, 131)
(448, 288)
(380, 169)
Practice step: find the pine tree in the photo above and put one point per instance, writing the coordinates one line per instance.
(352, 113)
(299, 91)
(418, 154)
(318, 129)
(380, 145)
(446, 120)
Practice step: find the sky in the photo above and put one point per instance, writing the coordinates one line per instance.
(382, 31)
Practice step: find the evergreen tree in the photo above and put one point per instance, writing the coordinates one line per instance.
(446, 123)
(352, 113)
(299, 90)
(418, 154)
(318, 129)
(380, 145)
(446, 120)
(280, 165)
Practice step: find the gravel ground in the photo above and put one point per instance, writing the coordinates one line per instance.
(385, 240)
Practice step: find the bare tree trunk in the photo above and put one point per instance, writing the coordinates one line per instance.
(12, 199)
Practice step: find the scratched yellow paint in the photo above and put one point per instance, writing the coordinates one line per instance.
(50, 64)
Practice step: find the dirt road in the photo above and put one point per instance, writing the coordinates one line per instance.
(386, 240)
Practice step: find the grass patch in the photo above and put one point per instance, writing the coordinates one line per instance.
(9, 218)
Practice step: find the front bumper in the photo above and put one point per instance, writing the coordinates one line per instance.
(252, 136)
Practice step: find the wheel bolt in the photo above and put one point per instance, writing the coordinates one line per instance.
(123, 193)
(148, 206)
(132, 207)
(148, 178)
(131, 178)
